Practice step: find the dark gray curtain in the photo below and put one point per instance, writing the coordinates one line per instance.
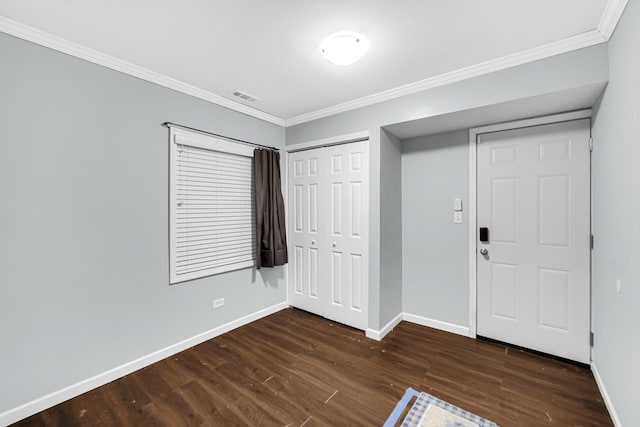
(271, 239)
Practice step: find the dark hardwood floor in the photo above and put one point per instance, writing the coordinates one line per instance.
(294, 368)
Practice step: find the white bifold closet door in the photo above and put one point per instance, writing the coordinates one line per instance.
(328, 220)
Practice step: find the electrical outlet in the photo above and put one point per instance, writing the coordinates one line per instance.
(217, 303)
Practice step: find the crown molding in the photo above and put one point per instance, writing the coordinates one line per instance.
(541, 52)
(610, 17)
(42, 38)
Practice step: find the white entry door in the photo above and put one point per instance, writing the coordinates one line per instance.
(328, 232)
(533, 264)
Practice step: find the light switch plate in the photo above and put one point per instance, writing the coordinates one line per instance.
(457, 205)
(457, 217)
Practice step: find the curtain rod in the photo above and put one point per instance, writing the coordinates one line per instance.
(204, 132)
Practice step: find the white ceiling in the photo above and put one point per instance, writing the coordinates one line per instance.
(270, 48)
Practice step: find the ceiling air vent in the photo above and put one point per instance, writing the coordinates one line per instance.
(245, 96)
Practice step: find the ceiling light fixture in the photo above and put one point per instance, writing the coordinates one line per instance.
(344, 47)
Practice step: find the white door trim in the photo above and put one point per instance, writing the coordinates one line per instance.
(326, 142)
(473, 136)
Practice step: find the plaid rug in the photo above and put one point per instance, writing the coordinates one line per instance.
(429, 411)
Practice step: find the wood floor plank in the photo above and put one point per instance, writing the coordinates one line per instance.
(294, 369)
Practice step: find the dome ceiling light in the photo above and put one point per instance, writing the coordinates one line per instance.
(344, 47)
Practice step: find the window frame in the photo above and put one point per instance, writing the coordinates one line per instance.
(181, 137)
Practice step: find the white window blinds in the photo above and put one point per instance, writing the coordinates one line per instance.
(212, 211)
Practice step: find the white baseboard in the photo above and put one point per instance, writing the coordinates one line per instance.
(52, 399)
(605, 396)
(436, 324)
(419, 320)
(378, 335)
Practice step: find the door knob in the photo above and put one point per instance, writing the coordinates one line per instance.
(484, 251)
(334, 244)
(313, 242)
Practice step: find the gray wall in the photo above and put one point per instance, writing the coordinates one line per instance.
(575, 69)
(435, 267)
(84, 281)
(616, 222)
(390, 227)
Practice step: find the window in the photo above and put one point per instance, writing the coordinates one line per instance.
(210, 205)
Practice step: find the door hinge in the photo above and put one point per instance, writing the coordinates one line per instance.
(591, 338)
(590, 144)
(592, 241)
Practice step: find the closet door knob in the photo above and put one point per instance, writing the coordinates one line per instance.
(313, 242)
(334, 244)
